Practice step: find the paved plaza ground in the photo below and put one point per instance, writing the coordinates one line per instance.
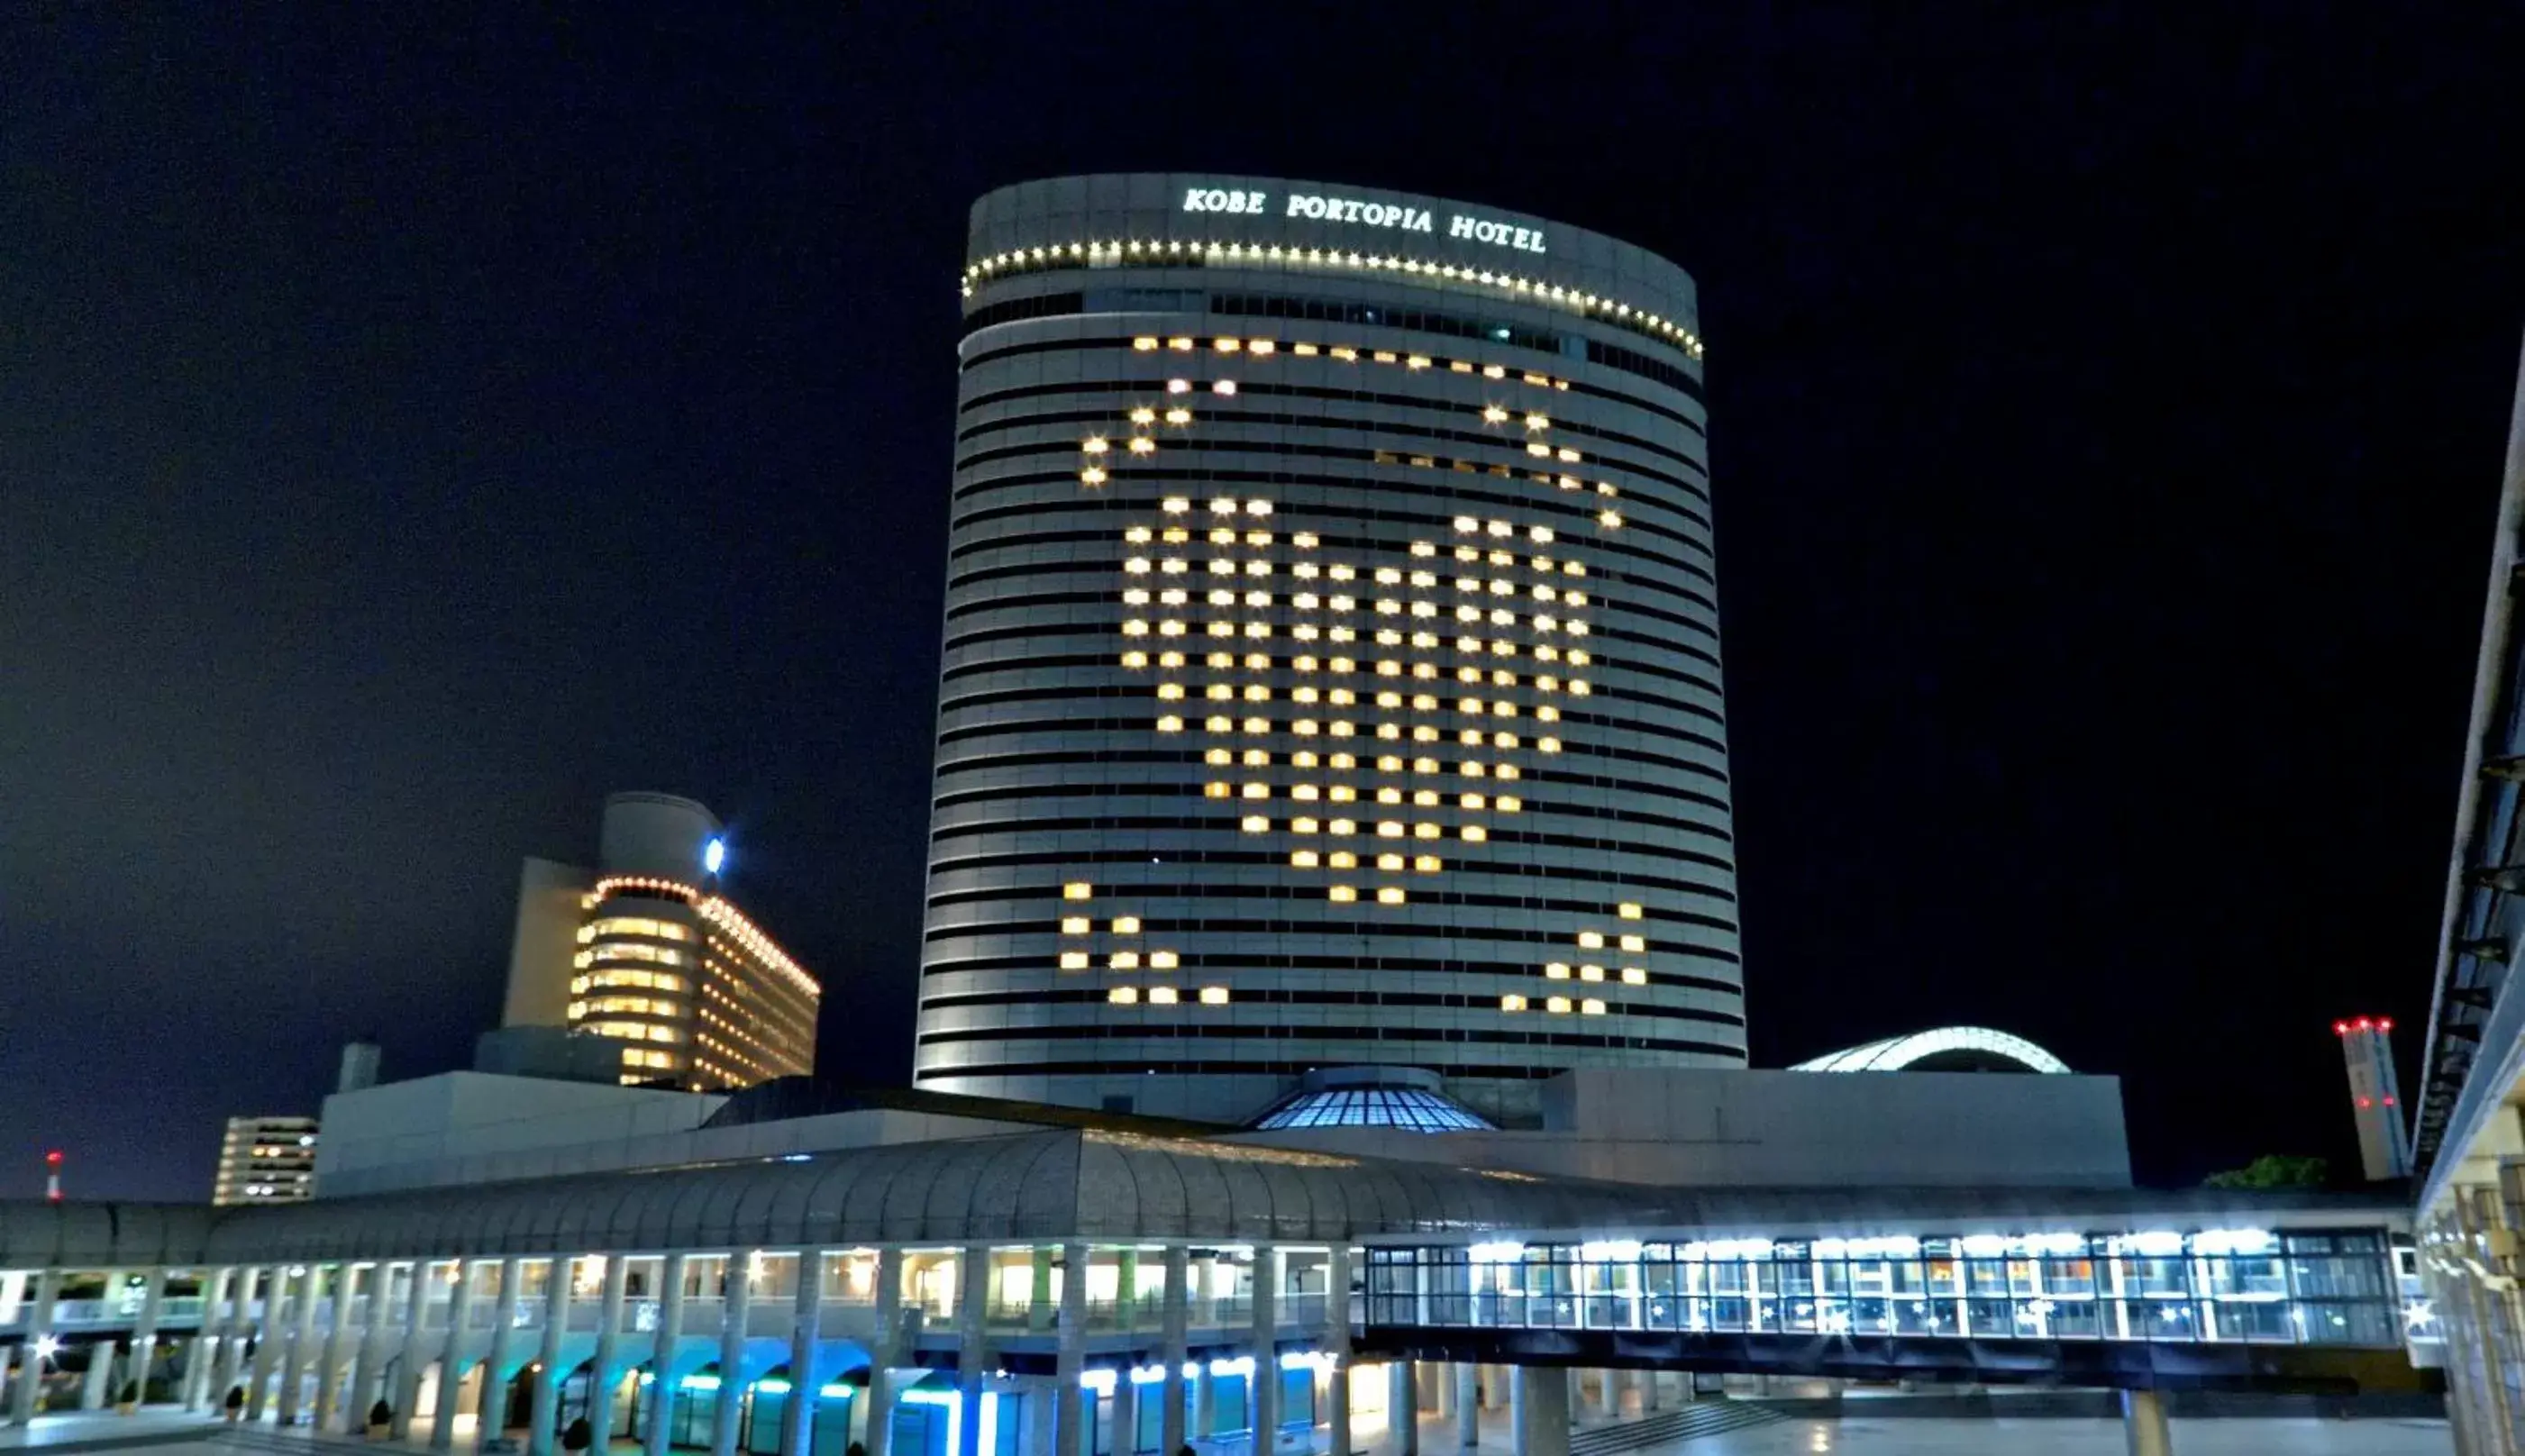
(1854, 1435)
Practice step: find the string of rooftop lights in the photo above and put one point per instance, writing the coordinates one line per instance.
(1102, 252)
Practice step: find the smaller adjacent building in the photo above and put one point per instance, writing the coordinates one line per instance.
(266, 1160)
(644, 949)
(2375, 1098)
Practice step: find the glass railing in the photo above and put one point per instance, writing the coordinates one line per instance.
(1302, 1309)
(1207, 1314)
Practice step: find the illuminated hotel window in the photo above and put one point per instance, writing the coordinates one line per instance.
(1214, 995)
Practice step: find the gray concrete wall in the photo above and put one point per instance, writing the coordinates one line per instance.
(1684, 1127)
(472, 1127)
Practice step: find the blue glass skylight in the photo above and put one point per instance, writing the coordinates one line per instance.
(1408, 1108)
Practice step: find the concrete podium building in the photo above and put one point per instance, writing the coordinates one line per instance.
(1331, 670)
(940, 1275)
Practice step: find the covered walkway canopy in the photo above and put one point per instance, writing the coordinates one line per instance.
(1049, 1186)
(1096, 1186)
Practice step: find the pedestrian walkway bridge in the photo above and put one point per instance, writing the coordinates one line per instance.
(2157, 1307)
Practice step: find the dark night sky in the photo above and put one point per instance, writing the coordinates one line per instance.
(412, 428)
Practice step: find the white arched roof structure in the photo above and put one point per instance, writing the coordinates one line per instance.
(1895, 1053)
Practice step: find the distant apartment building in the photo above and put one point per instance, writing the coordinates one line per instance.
(266, 1160)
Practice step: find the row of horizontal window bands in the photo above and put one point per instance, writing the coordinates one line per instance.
(1524, 972)
(1525, 788)
(1299, 308)
(1237, 1030)
(1083, 693)
(1213, 411)
(1624, 602)
(1349, 312)
(1407, 440)
(1342, 925)
(1358, 312)
(1279, 861)
(1286, 613)
(1266, 858)
(1602, 692)
(1575, 508)
(1560, 775)
(1091, 506)
(1194, 1067)
(1282, 997)
(1496, 837)
(1034, 602)
(1541, 903)
(1140, 725)
(1061, 661)
(1200, 483)
(1554, 362)
(1628, 605)
(1146, 1028)
(1568, 750)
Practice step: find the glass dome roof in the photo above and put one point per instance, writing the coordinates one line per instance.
(1384, 1097)
(1946, 1049)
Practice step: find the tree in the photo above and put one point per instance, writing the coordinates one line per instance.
(2273, 1171)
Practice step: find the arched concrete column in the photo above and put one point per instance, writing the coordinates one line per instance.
(736, 1304)
(662, 1387)
(451, 1358)
(546, 1399)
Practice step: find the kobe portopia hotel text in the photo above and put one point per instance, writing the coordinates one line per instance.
(1331, 668)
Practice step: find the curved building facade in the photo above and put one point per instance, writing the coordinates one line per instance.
(1331, 670)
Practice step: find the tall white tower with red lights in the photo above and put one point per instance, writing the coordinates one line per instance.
(2375, 1098)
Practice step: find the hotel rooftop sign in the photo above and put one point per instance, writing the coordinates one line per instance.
(1365, 213)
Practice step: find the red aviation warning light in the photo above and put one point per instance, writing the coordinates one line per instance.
(53, 1176)
(2375, 1100)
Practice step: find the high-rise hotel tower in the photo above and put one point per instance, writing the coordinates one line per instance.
(1331, 654)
